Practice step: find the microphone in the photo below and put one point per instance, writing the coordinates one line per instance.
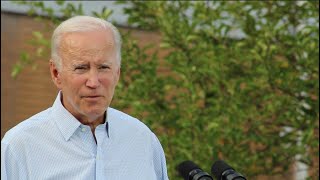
(222, 171)
(190, 171)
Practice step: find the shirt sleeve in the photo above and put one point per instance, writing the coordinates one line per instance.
(11, 167)
(159, 159)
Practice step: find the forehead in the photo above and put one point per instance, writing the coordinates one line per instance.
(92, 43)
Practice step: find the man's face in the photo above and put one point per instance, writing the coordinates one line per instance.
(89, 73)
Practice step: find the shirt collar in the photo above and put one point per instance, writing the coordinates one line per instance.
(65, 121)
(104, 126)
(110, 118)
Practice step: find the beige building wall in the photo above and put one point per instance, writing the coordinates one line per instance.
(32, 91)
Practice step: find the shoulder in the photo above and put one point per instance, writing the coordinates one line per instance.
(26, 127)
(125, 121)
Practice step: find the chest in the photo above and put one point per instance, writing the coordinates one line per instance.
(127, 157)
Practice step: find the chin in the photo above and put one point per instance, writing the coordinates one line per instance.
(95, 113)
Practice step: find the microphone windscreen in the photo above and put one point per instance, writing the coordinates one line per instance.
(185, 168)
(218, 168)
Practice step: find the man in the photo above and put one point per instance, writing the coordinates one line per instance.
(80, 136)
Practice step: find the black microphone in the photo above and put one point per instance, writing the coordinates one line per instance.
(222, 171)
(190, 171)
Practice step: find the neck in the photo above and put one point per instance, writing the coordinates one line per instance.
(93, 122)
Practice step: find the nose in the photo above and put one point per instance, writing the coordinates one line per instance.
(93, 79)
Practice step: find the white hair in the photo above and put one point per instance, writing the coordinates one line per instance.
(82, 24)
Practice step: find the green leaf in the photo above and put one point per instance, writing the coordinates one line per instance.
(106, 13)
(39, 51)
(165, 45)
(60, 2)
(37, 34)
(16, 70)
(24, 57)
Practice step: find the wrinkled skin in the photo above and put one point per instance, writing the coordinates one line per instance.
(88, 76)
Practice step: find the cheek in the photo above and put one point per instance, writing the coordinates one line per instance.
(109, 80)
(73, 83)
(107, 83)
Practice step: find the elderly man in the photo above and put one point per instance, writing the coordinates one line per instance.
(80, 136)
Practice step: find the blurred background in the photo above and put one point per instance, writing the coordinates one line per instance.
(237, 81)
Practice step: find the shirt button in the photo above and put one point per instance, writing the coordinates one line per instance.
(83, 129)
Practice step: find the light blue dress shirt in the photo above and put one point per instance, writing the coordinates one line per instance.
(53, 145)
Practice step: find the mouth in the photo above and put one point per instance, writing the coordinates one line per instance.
(92, 97)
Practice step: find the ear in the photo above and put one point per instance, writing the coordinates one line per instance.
(55, 74)
(118, 74)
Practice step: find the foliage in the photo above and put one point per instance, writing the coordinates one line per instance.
(252, 100)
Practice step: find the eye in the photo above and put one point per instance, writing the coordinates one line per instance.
(80, 68)
(103, 67)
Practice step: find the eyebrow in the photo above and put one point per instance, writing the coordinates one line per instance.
(80, 63)
(87, 63)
